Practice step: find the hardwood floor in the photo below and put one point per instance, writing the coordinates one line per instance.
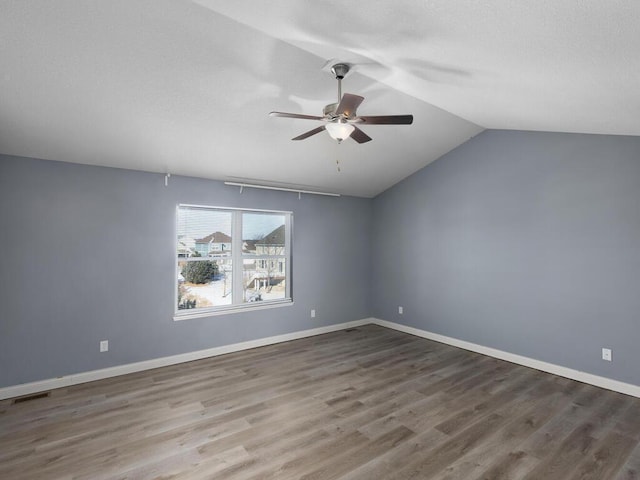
(365, 403)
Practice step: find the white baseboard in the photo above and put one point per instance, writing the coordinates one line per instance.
(83, 377)
(76, 378)
(598, 381)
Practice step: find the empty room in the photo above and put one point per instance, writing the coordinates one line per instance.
(319, 240)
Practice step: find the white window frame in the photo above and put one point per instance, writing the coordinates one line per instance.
(237, 262)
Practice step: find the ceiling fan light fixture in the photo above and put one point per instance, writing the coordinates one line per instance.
(339, 130)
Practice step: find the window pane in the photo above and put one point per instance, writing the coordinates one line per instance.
(230, 257)
(264, 279)
(204, 283)
(263, 233)
(204, 232)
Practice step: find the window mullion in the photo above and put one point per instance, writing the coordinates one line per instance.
(236, 255)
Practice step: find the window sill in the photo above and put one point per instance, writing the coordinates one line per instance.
(233, 309)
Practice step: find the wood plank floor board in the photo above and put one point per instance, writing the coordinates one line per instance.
(466, 441)
(483, 407)
(364, 403)
(576, 446)
(629, 422)
(495, 457)
(631, 468)
(453, 405)
(195, 429)
(510, 465)
(314, 457)
(390, 462)
(609, 455)
(548, 438)
(344, 462)
(367, 416)
(444, 454)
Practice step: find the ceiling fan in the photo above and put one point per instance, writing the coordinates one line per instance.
(341, 119)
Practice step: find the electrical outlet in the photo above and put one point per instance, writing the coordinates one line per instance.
(104, 345)
(400, 310)
(313, 313)
(606, 354)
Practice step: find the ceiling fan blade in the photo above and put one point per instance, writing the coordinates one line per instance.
(295, 115)
(349, 104)
(388, 119)
(309, 133)
(359, 136)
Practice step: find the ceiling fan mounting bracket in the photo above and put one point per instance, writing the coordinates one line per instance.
(340, 70)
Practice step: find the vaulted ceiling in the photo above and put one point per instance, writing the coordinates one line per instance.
(184, 87)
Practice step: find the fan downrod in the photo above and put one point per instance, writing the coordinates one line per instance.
(340, 70)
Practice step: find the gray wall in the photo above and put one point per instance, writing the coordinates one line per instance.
(526, 242)
(88, 255)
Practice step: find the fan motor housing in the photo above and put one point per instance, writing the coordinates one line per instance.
(330, 110)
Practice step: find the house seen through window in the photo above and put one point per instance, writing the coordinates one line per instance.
(230, 259)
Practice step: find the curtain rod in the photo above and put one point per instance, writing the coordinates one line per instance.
(281, 189)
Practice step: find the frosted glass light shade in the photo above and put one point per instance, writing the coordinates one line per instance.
(339, 130)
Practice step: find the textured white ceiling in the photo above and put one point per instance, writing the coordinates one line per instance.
(185, 87)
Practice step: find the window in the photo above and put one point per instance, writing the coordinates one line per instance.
(231, 259)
